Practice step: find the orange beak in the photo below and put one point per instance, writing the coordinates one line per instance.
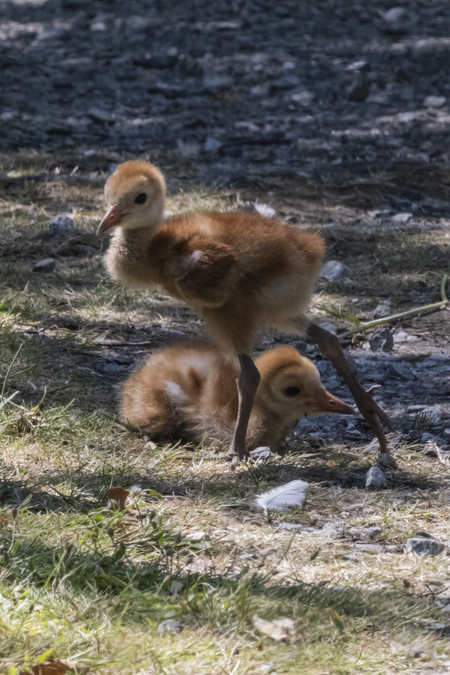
(327, 403)
(112, 217)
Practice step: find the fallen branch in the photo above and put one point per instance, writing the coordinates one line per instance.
(410, 312)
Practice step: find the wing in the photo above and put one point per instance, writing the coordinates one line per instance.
(210, 275)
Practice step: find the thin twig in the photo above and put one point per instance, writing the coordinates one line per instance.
(9, 369)
(113, 343)
(410, 312)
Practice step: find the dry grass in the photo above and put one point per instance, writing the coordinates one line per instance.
(83, 583)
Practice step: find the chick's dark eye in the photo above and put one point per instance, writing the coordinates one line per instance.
(292, 391)
(141, 198)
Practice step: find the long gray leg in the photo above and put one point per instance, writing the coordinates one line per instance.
(330, 347)
(247, 384)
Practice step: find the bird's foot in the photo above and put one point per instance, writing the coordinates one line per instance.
(232, 456)
(368, 408)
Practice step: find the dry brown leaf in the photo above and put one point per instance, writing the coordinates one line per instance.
(118, 495)
(277, 630)
(48, 667)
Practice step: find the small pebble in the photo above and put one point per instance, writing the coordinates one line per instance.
(427, 437)
(424, 546)
(382, 310)
(373, 531)
(212, 145)
(46, 265)
(332, 270)
(263, 452)
(382, 340)
(434, 101)
(431, 449)
(331, 528)
(264, 210)
(197, 536)
(375, 478)
(292, 527)
(170, 625)
(402, 217)
(329, 327)
(60, 224)
(395, 14)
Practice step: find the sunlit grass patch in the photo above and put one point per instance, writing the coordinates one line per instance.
(90, 585)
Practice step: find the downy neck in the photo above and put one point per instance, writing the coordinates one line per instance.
(264, 427)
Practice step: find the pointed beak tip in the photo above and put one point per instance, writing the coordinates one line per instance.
(110, 219)
(335, 405)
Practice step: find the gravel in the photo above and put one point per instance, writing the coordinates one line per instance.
(298, 77)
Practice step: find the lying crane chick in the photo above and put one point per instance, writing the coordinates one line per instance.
(240, 271)
(189, 392)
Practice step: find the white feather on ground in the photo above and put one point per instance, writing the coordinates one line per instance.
(278, 629)
(289, 494)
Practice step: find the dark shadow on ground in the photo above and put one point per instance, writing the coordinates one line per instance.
(296, 86)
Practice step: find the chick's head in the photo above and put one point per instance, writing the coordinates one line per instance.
(135, 195)
(290, 386)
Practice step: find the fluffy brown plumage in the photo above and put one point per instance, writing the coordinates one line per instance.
(189, 392)
(239, 271)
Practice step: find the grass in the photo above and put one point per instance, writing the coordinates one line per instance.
(90, 585)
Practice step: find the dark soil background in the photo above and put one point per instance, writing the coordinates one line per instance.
(237, 88)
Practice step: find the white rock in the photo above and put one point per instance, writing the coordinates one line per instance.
(402, 217)
(292, 527)
(61, 223)
(382, 310)
(171, 625)
(375, 478)
(277, 630)
(212, 144)
(434, 101)
(263, 452)
(401, 336)
(329, 326)
(421, 546)
(303, 97)
(260, 90)
(331, 528)
(395, 14)
(332, 270)
(46, 265)
(197, 536)
(264, 210)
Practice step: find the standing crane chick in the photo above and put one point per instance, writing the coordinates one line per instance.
(240, 271)
(189, 392)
